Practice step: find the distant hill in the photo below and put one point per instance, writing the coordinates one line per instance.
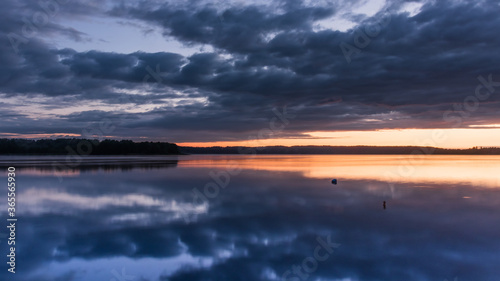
(84, 147)
(338, 150)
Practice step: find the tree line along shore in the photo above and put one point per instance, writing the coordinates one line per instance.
(127, 147)
(86, 146)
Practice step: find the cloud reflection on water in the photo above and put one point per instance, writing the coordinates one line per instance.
(265, 221)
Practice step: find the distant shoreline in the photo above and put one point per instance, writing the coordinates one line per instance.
(342, 150)
(83, 147)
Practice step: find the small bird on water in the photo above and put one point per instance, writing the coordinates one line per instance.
(334, 181)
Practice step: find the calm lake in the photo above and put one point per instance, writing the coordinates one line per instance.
(269, 217)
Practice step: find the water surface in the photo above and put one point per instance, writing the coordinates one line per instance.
(257, 218)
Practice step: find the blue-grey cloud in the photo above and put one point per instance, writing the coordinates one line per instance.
(412, 69)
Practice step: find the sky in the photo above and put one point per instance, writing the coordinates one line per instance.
(203, 73)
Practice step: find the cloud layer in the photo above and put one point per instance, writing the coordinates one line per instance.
(402, 70)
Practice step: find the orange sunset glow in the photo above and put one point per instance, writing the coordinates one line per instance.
(445, 138)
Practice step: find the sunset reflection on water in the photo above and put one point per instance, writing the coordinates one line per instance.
(437, 223)
(449, 169)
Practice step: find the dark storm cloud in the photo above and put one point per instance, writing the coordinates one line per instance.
(413, 70)
(240, 29)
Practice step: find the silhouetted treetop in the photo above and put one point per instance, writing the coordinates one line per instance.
(85, 146)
